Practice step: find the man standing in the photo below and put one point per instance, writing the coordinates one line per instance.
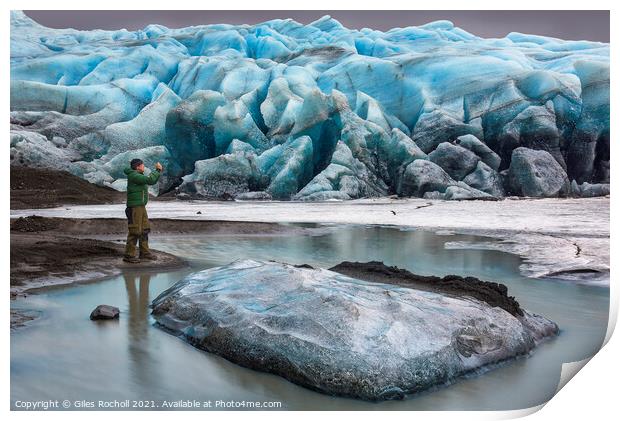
(137, 218)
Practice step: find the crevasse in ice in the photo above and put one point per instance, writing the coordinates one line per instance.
(312, 112)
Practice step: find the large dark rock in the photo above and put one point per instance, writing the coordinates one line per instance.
(462, 191)
(534, 128)
(485, 153)
(536, 174)
(345, 336)
(221, 177)
(485, 179)
(423, 176)
(455, 160)
(439, 126)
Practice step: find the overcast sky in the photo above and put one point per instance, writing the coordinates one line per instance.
(565, 24)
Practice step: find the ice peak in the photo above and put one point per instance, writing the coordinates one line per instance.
(19, 18)
(446, 25)
(327, 23)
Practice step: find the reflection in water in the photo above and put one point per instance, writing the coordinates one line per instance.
(421, 252)
(138, 327)
(64, 355)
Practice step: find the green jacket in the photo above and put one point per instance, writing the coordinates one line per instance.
(137, 186)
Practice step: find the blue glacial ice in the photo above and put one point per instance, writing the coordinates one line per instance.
(312, 112)
(342, 335)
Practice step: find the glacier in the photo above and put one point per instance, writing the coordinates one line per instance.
(287, 111)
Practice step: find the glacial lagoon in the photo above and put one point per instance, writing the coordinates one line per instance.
(63, 355)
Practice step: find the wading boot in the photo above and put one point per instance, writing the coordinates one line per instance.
(148, 256)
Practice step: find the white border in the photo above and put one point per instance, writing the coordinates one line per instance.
(592, 395)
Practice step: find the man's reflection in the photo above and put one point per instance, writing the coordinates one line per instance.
(138, 325)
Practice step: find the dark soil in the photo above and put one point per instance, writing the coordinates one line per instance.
(43, 248)
(34, 224)
(493, 293)
(116, 226)
(46, 188)
(20, 318)
(37, 257)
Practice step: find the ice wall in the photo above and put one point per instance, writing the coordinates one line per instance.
(311, 112)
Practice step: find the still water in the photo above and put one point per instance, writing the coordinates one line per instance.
(65, 356)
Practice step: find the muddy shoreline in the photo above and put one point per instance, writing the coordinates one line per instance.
(58, 251)
(102, 227)
(40, 260)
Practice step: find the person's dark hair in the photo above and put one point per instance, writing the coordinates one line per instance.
(135, 163)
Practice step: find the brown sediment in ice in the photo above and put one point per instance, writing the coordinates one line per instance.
(493, 293)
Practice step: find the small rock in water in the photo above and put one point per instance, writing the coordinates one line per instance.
(198, 213)
(105, 312)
